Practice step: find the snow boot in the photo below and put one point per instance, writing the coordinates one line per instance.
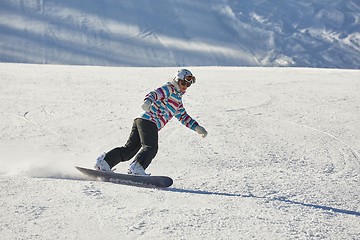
(135, 168)
(101, 164)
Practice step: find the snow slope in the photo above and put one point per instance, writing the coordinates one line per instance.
(281, 160)
(182, 33)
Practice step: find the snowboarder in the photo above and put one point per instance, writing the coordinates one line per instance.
(159, 107)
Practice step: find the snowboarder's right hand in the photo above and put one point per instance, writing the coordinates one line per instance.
(146, 105)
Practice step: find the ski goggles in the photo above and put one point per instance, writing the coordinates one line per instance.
(187, 81)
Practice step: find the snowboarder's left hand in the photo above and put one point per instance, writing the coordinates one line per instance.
(200, 130)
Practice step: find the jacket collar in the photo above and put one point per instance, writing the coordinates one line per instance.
(176, 86)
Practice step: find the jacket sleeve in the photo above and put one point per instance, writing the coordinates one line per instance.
(185, 118)
(158, 94)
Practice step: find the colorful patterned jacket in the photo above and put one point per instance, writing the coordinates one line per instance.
(166, 103)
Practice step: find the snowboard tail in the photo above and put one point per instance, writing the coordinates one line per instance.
(128, 179)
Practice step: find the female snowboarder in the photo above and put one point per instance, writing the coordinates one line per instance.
(159, 107)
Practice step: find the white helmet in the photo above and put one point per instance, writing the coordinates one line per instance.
(185, 75)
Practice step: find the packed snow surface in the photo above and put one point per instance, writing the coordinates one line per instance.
(307, 33)
(281, 160)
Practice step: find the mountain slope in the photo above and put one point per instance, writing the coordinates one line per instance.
(177, 33)
(281, 160)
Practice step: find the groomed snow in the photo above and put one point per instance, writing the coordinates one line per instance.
(281, 160)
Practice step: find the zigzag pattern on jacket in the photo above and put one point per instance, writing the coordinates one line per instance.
(166, 103)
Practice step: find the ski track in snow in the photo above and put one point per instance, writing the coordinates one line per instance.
(280, 162)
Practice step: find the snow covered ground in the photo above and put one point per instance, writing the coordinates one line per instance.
(281, 160)
(307, 33)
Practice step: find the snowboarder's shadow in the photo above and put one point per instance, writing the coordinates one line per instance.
(202, 192)
(279, 199)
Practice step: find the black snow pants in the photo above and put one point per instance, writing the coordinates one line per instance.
(144, 136)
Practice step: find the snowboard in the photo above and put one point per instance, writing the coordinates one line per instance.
(128, 179)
